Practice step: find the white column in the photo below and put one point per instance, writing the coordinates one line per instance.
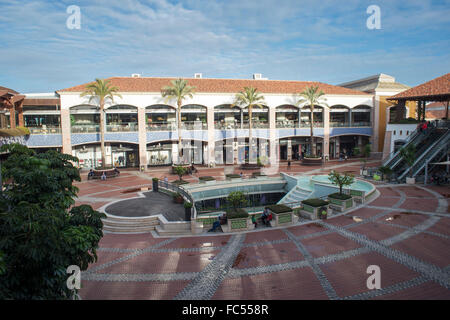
(142, 138)
(210, 156)
(326, 133)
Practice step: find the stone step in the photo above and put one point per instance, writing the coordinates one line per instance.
(114, 223)
(129, 229)
(130, 219)
(163, 232)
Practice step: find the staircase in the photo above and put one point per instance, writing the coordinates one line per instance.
(117, 224)
(295, 196)
(433, 151)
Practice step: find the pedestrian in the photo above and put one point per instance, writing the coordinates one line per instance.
(103, 177)
(289, 164)
(90, 174)
(254, 220)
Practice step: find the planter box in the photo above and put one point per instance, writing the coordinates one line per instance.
(310, 212)
(238, 224)
(341, 205)
(358, 196)
(234, 179)
(410, 180)
(207, 181)
(312, 161)
(283, 219)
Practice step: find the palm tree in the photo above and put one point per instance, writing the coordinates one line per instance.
(103, 91)
(179, 90)
(249, 98)
(311, 96)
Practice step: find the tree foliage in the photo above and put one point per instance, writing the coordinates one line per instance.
(341, 180)
(41, 232)
(237, 199)
(180, 170)
(311, 97)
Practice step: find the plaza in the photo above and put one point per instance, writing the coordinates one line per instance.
(404, 231)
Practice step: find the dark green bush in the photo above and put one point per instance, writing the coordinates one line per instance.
(233, 175)
(340, 196)
(180, 182)
(315, 202)
(206, 178)
(155, 179)
(236, 213)
(279, 208)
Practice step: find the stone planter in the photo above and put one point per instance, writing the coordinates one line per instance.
(358, 196)
(341, 205)
(410, 180)
(187, 214)
(283, 219)
(238, 224)
(310, 212)
(155, 186)
(312, 161)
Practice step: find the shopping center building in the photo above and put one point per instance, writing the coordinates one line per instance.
(141, 128)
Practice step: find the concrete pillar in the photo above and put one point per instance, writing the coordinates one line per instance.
(273, 156)
(326, 133)
(20, 111)
(350, 122)
(289, 149)
(375, 118)
(210, 156)
(66, 131)
(142, 137)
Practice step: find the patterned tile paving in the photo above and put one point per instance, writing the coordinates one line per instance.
(322, 260)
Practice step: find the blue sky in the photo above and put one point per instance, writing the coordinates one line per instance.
(310, 40)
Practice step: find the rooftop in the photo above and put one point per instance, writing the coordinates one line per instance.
(147, 84)
(434, 90)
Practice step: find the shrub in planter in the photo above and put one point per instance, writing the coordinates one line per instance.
(155, 184)
(258, 174)
(340, 196)
(187, 211)
(206, 179)
(315, 202)
(180, 182)
(233, 176)
(323, 213)
(237, 213)
(279, 208)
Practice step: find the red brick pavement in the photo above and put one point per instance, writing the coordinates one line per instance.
(328, 244)
(375, 231)
(349, 277)
(289, 285)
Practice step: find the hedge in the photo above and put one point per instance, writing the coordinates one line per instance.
(340, 196)
(315, 202)
(233, 175)
(206, 178)
(236, 213)
(180, 182)
(279, 208)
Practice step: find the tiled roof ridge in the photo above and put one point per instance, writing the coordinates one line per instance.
(131, 84)
(436, 87)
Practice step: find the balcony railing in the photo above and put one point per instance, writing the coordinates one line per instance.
(194, 125)
(227, 125)
(161, 126)
(307, 124)
(128, 127)
(286, 124)
(85, 128)
(256, 125)
(45, 130)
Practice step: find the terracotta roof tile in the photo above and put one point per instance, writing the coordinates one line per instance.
(439, 87)
(129, 84)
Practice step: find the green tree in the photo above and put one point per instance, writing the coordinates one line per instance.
(341, 180)
(41, 231)
(180, 171)
(102, 91)
(249, 98)
(237, 199)
(311, 96)
(409, 155)
(179, 91)
(385, 171)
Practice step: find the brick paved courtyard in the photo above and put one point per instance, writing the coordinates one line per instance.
(405, 231)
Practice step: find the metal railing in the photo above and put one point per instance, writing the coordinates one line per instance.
(129, 127)
(286, 124)
(45, 130)
(177, 189)
(161, 126)
(85, 128)
(194, 125)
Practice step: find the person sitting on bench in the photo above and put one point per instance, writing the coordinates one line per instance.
(103, 177)
(215, 225)
(269, 218)
(90, 174)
